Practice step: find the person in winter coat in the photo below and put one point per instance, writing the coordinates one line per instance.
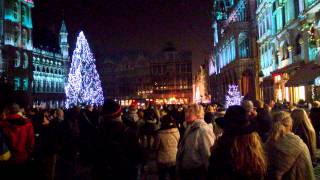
(131, 118)
(118, 150)
(209, 116)
(263, 121)
(88, 126)
(303, 128)
(166, 143)
(194, 147)
(59, 154)
(238, 153)
(288, 155)
(315, 120)
(19, 134)
(152, 119)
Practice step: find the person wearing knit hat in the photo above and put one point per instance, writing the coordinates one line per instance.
(118, 151)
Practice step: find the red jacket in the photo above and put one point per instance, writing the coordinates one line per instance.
(20, 135)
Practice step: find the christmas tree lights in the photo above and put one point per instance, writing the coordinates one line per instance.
(233, 97)
(84, 85)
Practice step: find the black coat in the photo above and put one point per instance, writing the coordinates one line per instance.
(263, 123)
(118, 151)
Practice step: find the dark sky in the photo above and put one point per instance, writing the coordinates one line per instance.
(116, 25)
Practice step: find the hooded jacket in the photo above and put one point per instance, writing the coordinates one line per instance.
(167, 145)
(20, 136)
(194, 147)
(289, 158)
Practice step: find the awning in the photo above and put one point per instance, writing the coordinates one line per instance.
(304, 76)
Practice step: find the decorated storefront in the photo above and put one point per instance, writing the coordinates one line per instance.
(304, 83)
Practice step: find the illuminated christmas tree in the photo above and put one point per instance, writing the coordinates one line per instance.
(84, 86)
(233, 97)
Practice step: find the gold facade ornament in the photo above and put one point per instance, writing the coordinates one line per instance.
(290, 48)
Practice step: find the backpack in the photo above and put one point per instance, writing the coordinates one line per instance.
(4, 150)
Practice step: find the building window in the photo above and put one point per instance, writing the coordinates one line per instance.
(26, 61)
(189, 68)
(17, 60)
(15, 10)
(24, 37)
(34, 85)
(16, 83)
(183, 68)
(298, 42)
(25, 84)
(178, 68)
(16, 35)
(23, 14)
(243, 46)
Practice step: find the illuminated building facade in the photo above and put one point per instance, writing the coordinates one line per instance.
(234, 49)
(171, 72)
(164, 77)
(289, 46)
(31, 72)
(16, 46)
(50, 70)
(126, 76)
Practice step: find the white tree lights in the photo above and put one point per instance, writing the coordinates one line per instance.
(84, 86)
(233, 97)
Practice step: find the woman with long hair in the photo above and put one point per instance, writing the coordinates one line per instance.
(238, 153)
(303, 128)
(288, 155)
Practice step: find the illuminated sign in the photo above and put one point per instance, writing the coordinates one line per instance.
(317, 81)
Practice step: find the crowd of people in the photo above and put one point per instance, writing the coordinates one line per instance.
(190, 142)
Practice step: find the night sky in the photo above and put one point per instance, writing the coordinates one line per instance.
(117, 25)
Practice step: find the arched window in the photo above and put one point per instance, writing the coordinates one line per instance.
(17, 59)
(44, 86)
(243, 46)
(298, 42)
(26, 61)
(49, 86)
(23, 14)
(38, 68)
(34, 84)
(24, 36)
(41, 86)
(52, 86)
(15, 10)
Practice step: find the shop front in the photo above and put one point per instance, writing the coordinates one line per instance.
(280, 78)
(305, 83)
